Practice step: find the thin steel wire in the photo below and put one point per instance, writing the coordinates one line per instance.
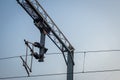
(77, 52)
(57, 74)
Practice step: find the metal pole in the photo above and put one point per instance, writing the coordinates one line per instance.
(42, 48)
(70, 66)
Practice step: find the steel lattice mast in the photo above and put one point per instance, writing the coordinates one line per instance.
(47, 27)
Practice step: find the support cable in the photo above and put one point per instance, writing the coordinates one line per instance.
(77, 52)
(56, 74)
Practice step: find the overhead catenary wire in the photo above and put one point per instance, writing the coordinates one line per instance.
(97, 51)
(11, 57)
(56, 74)
(97, 71)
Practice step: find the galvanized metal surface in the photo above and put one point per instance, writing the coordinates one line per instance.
(44, 22)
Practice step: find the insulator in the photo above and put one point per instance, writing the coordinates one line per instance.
(37, 44)
(45, 50)
(36, 55)
(41, 58)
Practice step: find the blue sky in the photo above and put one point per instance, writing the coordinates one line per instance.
(88, 25)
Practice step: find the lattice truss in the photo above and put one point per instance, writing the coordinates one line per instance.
(43, 21)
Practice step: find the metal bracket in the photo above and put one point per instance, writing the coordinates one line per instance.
(27, 68)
